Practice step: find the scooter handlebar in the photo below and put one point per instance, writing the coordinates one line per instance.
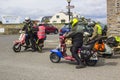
(21, 31)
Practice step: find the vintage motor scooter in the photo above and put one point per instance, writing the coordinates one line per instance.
(88, 56)
(21, 43)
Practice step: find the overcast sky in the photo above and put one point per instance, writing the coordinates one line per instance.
(95, 9)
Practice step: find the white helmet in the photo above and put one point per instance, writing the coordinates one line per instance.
(82, 17)
(27, 19)
(91, 23)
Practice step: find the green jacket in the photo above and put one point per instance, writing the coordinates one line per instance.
(78, 28)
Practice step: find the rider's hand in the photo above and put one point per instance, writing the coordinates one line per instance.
(20, 31)
(64, 34)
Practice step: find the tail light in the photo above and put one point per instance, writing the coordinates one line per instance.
(60, 30)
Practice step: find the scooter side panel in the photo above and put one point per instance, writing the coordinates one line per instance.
(57, 52)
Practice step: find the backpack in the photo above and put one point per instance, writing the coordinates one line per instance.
(99, 46)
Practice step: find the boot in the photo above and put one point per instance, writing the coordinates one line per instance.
(26, 47)
(33, 50)
(80, 66)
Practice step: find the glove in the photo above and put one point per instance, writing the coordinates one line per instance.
(20, 31)
(64, 34)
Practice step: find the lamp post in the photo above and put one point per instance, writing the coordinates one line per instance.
(69, 8)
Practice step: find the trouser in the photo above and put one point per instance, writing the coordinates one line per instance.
(41, 41)
(74, 50)
(30, 39)
(27, 40)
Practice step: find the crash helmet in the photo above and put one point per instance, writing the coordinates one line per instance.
(27, 20)
(91, 23)
(74, 21)
(82, 17)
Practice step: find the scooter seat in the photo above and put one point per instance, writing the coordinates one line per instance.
(87, 47)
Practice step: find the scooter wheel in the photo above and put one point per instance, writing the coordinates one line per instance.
(54, 58)
(16, 47)
(91, 62)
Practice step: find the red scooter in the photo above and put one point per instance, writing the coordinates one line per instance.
(88, 56)
(21, 43)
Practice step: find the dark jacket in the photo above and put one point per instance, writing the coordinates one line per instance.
(28, 28)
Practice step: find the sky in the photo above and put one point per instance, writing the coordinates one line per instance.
(94, 9)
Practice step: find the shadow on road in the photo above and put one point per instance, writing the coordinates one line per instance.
(111, 63)
(101, 62)
(47, 49)
(30, 50)
(115, 56)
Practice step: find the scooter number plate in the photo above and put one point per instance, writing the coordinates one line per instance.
(93, 58)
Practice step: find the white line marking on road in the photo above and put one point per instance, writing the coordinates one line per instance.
(51, 40)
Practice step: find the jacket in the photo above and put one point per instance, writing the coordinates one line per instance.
(28, 28)
(97, 31)
(41, 32)
(76, 34)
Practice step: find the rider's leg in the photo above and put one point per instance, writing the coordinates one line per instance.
(74, 50)
(32, 42)
(27, 37)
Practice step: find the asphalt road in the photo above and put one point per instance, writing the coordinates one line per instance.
(28, 65)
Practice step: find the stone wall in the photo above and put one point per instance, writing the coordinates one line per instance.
(113, 17)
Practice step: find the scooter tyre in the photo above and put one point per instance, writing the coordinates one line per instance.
(17, 47)
(54, 58)
(91, 62)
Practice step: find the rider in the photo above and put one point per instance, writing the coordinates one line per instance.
(77, 40)
(97, 31)
(41, 34)
(29, 34)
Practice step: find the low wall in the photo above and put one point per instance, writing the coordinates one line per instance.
(14, 28)
(10, 28)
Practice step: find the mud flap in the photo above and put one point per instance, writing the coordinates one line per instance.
(57, 52)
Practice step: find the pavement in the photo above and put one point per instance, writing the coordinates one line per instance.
(28, 65)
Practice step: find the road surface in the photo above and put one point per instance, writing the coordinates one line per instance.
(28, 65)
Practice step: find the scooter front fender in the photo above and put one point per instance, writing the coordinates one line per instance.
(56, 51)
(17, 41)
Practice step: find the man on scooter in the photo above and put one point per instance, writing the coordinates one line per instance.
(77, 41)
(29, 34)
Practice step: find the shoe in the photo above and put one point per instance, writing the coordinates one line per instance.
(80, 66)
(42, 45)
(33, 50)
(26, 48)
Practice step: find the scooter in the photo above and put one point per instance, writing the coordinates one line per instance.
(87, 54)
(110, 45)
(21, 43)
